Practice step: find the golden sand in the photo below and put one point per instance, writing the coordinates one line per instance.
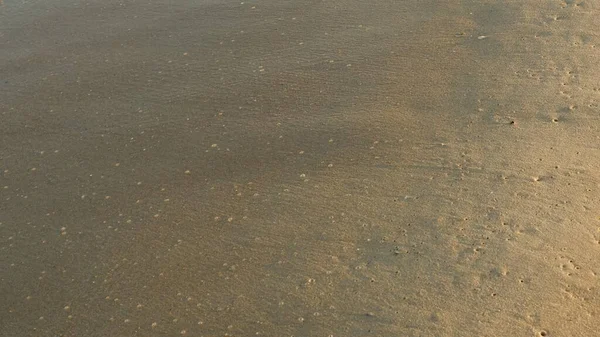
(299, 168)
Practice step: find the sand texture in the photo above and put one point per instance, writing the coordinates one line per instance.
(298, 168)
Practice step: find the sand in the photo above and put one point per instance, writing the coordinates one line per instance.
(299, 168)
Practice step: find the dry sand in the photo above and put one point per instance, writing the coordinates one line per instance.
(299, 168)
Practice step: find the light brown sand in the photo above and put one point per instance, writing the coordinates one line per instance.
(299, 168)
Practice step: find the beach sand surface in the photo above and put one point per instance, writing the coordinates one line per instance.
(299, 168)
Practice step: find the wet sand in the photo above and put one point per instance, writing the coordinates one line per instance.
(290, 168)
